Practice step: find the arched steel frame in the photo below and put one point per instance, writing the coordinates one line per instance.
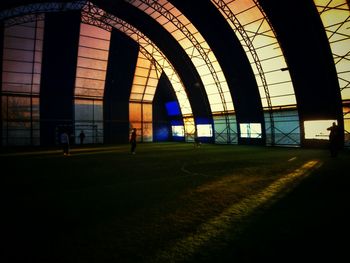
(337, 33)
(30, 12)
(156, 6)
(94, 16)
(227, 11)
(97, 17)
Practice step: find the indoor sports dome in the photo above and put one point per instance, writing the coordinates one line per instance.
(232, 105)
(262, 72)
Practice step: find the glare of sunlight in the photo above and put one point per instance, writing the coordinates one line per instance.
(317, 129)
(235, 214)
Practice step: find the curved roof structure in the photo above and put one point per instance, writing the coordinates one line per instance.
(229, 71)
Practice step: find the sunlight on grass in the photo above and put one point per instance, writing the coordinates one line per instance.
(232, 218)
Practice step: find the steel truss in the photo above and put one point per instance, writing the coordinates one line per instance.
(30, 12)
(203, 53)
(238, 26)
(93, 15)
(336, 33)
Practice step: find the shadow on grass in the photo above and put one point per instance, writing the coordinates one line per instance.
(173, 203)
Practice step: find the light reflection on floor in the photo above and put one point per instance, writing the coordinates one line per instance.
(236, 214)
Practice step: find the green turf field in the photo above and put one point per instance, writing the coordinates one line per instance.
(172, 202)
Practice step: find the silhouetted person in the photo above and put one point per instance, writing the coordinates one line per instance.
(334, 139)
(197, 143)
(82, 137)
(133, 141)
(65, 143)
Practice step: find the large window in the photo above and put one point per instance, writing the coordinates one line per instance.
(250, 130)
(90, 82)
(317, 129)
(22, 55)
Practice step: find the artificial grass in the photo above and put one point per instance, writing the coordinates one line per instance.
(171, 202)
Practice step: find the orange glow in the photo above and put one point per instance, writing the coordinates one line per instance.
(92, 61)
(260, 35)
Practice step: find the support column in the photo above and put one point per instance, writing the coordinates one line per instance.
(60, 50)
(122, 60)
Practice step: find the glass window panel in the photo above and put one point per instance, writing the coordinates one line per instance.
(152, 82)
(83, 110)
(147, 132)
(35, 88)
(276, 77)
(268, 51)
(170, 27)
(239, 6)
(87, 83)
(91, 73)
(342, 67)
(36, 79)
(342, 46)
(18, 109)
(334, 17)
(285, 100)
(19, 43)
(142, 62)
(19, 67)
(135, 112)
(90, 30)
(19, 55)
(88, 92)
(178, 130)
(346, 93)
(92, 63)
(228, 98)
(207, 79)
(37, 68)
(212, 90)
(203, 70)
(317, 129)
(148, 97)
(17, 77)
(93, 53)
(198, 62)
(141, 71)
(249, 16)
(38, 57)
(273, 64)
(136, 96)
(20, 31)
(139, 80)
(94, 43)
(98, 110)
(204, 130)
(281, 89)
(250, 130)
(147, 112)
(150, 90)
(138, 88)
(216, 107)
(154, 74)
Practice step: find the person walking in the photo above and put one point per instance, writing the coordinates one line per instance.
(133, 141)
(82, 137)
(65, 143)
(334, 139)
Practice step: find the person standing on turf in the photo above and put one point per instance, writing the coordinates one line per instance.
(82, 137)
(65, 143)
(334, 138)
(133, 141)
